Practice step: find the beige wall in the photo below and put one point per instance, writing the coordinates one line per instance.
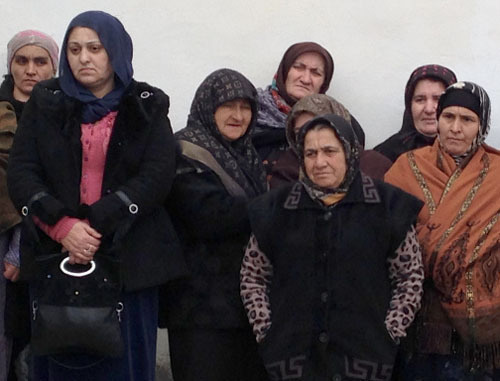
(375, 44)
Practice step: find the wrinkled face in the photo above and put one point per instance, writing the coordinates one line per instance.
(89, 61)
(324, 158)
(458, 127)
(424, 105)
(233, 118)
(30, 65)
(306, 76)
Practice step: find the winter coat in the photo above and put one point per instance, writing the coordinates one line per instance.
(45, 170)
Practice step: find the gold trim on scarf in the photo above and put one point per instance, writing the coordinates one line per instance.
(422, 183)
(468, 201)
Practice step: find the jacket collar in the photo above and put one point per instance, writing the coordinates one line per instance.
(362, 190)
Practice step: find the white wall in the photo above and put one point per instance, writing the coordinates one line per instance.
(375, 44)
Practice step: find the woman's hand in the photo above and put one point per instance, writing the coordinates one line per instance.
(11, 272)
(82, 242)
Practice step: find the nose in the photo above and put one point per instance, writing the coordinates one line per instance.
(306, 76)
(320, 161)
(238, 113)
(84, 56)
(430, 106)
(31, 68)
(455, 126)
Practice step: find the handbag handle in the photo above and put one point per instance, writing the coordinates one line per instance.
(79, 274)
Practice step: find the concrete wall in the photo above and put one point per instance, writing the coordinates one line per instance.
(375, 44)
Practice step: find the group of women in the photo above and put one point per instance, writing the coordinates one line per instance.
(320, 278)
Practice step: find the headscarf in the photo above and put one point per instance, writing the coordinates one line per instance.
(118, 45)
(480, 105)
(408, 137)
(32, 37)
(238, 158)
(316, 104)
(347, 137)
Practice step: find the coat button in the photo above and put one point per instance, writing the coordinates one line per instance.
(146, 94)
(108, 191)
(324, 297)
(323, 337)
(337, 377)
(327, 216)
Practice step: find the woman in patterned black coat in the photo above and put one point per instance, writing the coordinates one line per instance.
(218, 173)
(332, 275)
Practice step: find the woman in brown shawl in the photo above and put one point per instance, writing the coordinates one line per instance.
(286, 168)
(306, 68)
(457, 335)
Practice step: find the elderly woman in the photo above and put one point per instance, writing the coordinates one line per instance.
(93, 159)
(218, 173)
(457, 334)
(286, 168)
(31, 57)
(419, 128)
(306, 68)
(323, 303)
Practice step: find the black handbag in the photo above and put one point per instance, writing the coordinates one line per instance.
(76, 308)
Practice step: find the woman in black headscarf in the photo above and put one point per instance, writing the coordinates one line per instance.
(325, 304)
(92, 162)
(419, 129)
(218, 173)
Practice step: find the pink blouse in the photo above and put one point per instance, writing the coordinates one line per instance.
(95, 140)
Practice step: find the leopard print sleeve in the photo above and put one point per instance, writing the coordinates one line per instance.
(255, 277)
(406, 273)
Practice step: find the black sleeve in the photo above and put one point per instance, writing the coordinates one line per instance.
(205, 209)
(25, 175)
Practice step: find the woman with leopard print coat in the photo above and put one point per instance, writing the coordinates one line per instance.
(332, 275)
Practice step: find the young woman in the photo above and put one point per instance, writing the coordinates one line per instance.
(94, 156)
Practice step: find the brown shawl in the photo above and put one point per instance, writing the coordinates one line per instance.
(460, 235)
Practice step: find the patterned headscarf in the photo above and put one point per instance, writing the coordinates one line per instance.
(408, 137)
(347, 137)
(118, 45)
(484, 109)
(316, 104)
(238, 158)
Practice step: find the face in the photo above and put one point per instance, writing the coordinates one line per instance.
(306, 75)
(31, 64)
(233, 118)
(324, 158)
(89, 61)
(424, 104)
(300, 120)
(458, 127)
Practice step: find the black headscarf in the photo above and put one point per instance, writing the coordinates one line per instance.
(480, 105)
(347, 137)
(408, 138)
(238, 158)
(118, 45)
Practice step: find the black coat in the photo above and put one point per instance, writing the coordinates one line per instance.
(214, 229)
(330, 289)
(140, 162)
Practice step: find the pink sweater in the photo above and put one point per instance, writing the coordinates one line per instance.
(95, 140)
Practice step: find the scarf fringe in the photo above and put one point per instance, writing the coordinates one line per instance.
(481, 356)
